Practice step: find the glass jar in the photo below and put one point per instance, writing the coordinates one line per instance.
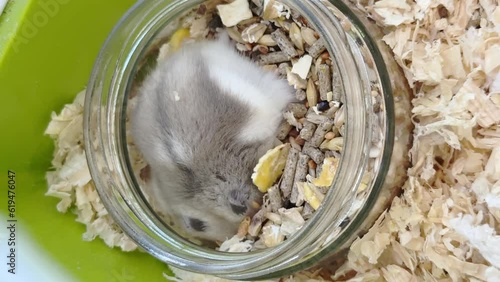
(371, 170)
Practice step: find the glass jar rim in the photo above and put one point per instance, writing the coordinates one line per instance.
(143, 22)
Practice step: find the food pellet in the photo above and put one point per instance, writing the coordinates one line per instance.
(298, 110)
(336, 84)
(319, 134)
(273, 58)
(308, 130)
(283, 130)
(300, 175)
(317, 48)
(315, 154)
(276, 201)
(325, 81)
(300, 94)
(302, 166)
(289, 173)
(297, 196)
(285, 44)
(314, 117)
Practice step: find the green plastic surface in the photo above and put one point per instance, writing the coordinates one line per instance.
(46, 55)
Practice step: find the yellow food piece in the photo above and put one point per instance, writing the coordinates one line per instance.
(362, 187)
(334, 144)
(329, 168)
(270, 167)
(312, 195)
(178, 37)
(364, 182)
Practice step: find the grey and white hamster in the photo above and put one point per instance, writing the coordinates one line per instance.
(203, 118)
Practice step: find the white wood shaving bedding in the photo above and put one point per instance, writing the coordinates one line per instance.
(71, 181)
(446, 224)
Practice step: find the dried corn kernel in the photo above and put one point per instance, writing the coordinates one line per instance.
(178, 37)
(312, 195)
(328, 170)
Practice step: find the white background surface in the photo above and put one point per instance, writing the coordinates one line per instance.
(32, 263)
(2, 6)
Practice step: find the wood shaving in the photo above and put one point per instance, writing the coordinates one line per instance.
(71, 182)
(442, 226)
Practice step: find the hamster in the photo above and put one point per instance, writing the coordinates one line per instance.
(204, 117)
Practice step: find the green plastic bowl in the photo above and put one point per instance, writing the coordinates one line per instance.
(47, 49)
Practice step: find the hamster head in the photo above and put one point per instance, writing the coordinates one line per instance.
(203, 118)
(205, 203)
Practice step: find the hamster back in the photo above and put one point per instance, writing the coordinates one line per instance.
(204, 117)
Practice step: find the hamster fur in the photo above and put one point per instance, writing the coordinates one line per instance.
(204, 117)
